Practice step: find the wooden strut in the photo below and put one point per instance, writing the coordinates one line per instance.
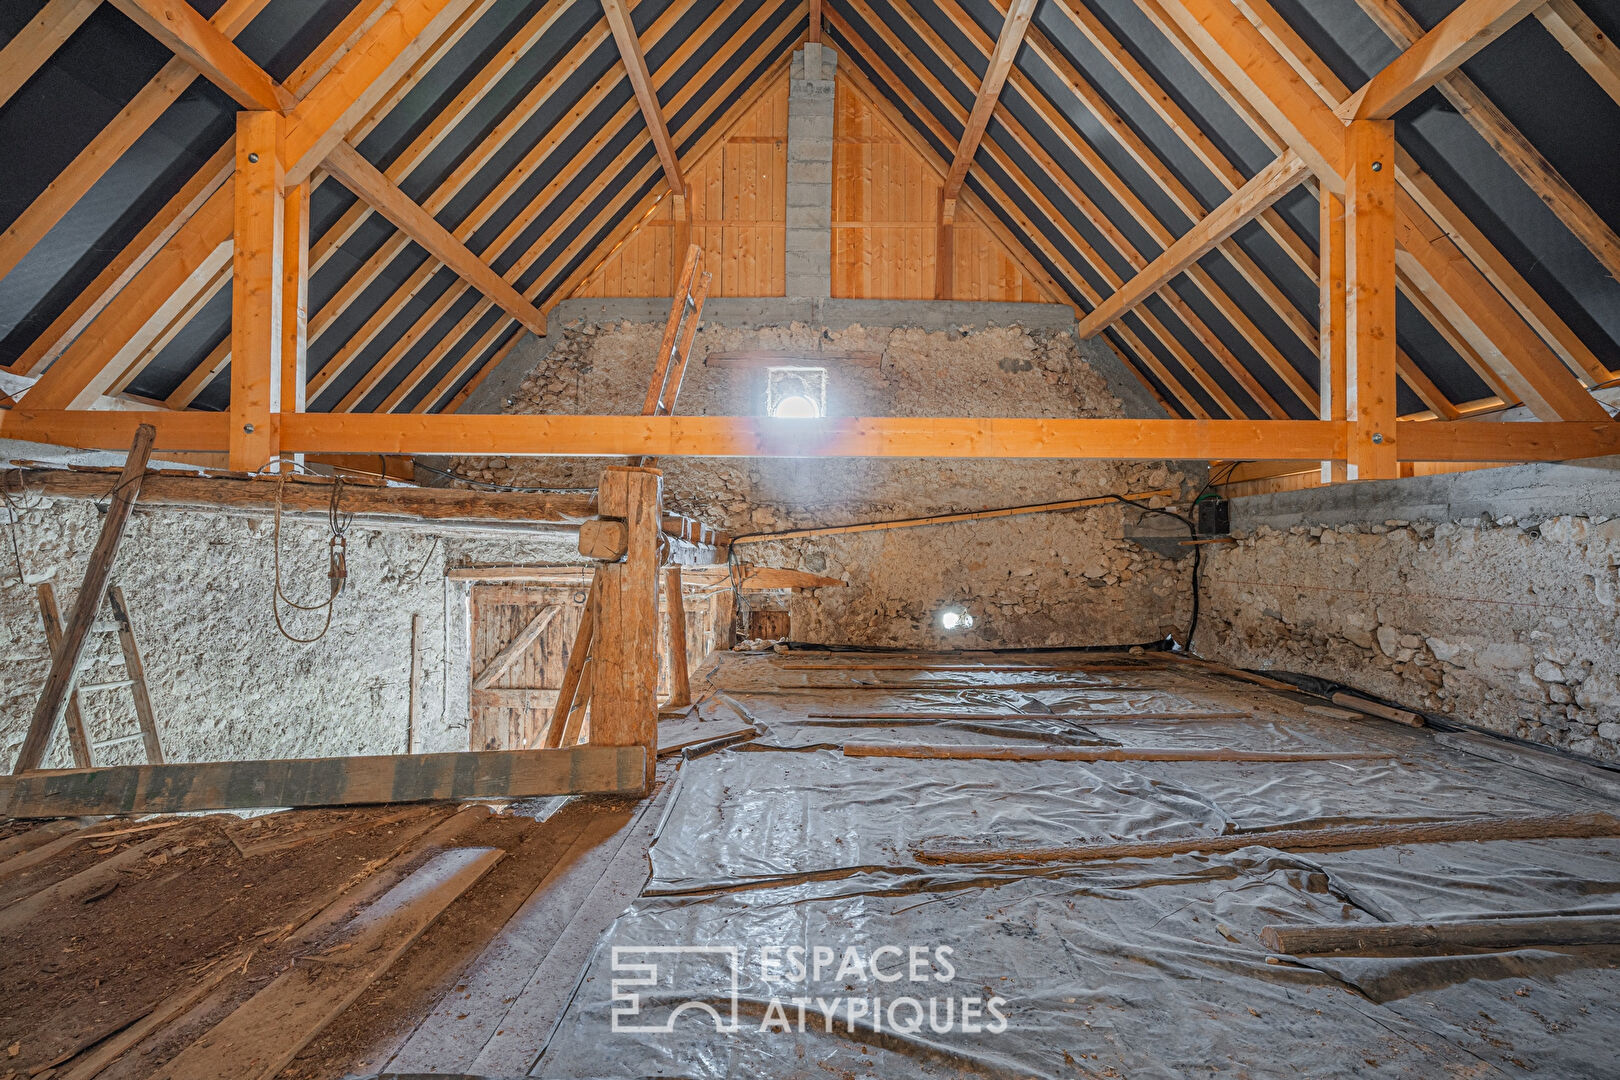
(575, 691)
(680, 680)
(56, 694)
(1506, 933)
(1102, 753)
(1340, 838)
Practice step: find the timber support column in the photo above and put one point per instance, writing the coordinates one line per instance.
(257, 270)
(624, 659)
(1369, 199)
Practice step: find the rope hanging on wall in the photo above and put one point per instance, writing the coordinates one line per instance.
(337, 571)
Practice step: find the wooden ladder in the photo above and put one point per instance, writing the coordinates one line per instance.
(134, 680)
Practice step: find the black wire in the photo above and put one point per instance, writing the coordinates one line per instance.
(1198, 556)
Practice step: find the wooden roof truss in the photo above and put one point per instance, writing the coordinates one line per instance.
(478, 250)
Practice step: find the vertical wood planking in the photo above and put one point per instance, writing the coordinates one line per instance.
(1370, 298)
(256, 283)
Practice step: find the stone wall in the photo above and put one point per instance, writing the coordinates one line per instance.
(1056, 579)
(225, 683)
(1490, 597)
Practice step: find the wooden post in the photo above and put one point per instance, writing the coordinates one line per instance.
(57, 692)
(1331, 314)
(295, 298)
(1369, 196)
(256, 290)
(624, 691)
(945, 250)
(78, 741)
(136, 670)
(680, 690)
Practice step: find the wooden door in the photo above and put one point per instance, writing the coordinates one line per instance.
(520, 640)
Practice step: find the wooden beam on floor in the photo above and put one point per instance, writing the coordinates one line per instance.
(196, 41)
(350, 781)
(1452, 934)
(57, 693)
(1327, 838)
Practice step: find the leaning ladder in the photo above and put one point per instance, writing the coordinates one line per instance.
(134, 680)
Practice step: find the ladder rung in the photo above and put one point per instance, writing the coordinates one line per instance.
(121, 740)
(116, 684)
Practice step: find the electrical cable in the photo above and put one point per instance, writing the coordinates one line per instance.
(337, 573)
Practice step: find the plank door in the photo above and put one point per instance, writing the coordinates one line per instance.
(520, 640)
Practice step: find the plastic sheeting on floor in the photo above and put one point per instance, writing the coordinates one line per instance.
(789, 929)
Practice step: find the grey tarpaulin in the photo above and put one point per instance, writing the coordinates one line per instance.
(1135, 968)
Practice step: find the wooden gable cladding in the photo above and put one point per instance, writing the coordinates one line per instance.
(885, 214)
(738, 194)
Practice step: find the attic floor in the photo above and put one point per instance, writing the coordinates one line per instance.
(775, 852)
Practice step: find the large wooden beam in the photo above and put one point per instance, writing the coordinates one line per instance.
(368, 182)
(57, 692)
(735, 436)
(984, 103)
(1469, 28)
(295, 298)
(256, 289)
(1369, 231)
(624, 652)
(635, 66)
(1269, 185)
(196, 41)
(403, 778)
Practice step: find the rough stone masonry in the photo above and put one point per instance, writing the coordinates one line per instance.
(1492, 597)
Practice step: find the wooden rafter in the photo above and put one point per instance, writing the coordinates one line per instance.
(1141, 356)
(1392, 17)
(1282, 96)
(1469, 28)
(1054, 217)
(1590, 47)
(635, 66)
(37, 40)
(199, 43)
(1268, 185)
(1001, 62)
(178, 255)
(519, 225)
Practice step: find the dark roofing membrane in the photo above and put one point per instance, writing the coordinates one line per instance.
(106, 62)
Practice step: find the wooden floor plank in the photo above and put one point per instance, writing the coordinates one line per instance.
(257, 1040)
(160, 789)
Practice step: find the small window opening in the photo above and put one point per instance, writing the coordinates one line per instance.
(955, 618)
(798, 393)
